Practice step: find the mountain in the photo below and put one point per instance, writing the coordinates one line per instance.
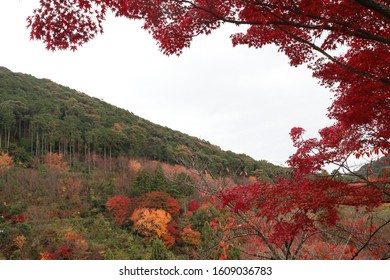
(38, 116)
(376, 169)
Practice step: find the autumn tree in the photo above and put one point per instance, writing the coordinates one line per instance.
(193, 206)
(152, 223)
(190, 236)
(55, 161)
(134, 166)
(287, 218)
(119, 206)
(6, 162)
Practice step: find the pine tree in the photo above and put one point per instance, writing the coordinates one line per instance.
(160, 182)
(158, 250)
(207, 243)
(143, 183)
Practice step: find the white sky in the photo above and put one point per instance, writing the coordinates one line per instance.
(243, 100)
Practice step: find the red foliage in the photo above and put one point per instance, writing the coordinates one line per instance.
(63, 253)
(19, 218)
(159, 200)
(119, 206)
(285, 212)
(193, 206)
(47, 256)
(308, 195)
(13, 219)
(173, 230)
(337, 143)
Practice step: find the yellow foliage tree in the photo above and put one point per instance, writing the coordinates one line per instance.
(6, 162)
(19, 241)
(151, 222)
(134, 166)
(76, 241)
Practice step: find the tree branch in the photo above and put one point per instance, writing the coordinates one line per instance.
(380, 8)
(369, 239)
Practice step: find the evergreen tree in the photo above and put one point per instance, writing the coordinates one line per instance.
(159, 251)
(160, 181)
(181, 186)
(143, 183)
(207, 243)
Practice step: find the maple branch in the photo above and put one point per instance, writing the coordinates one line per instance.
(260, 234)
(358, 33)
(255, 255)
(333, 59)
(369, 238)
(380, 185)
(347, 242)
(288, 247)
(376, 6)
(345, 26)
(304, 238)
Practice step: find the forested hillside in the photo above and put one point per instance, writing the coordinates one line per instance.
(38, 116)
(81, 179)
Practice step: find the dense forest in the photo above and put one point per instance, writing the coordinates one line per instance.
(38, 116)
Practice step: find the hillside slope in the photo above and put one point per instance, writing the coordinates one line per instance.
(39, 116)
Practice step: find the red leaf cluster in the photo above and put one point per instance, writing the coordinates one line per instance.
(296, 205)
(119, 206)
(193, 206)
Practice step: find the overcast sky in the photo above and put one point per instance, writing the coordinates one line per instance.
(243, 100)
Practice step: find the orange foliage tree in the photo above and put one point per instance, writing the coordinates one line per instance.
(55, 161)
(134, 166)
(153, 223)
(117, 127)
(190, 236)
(6, 162)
